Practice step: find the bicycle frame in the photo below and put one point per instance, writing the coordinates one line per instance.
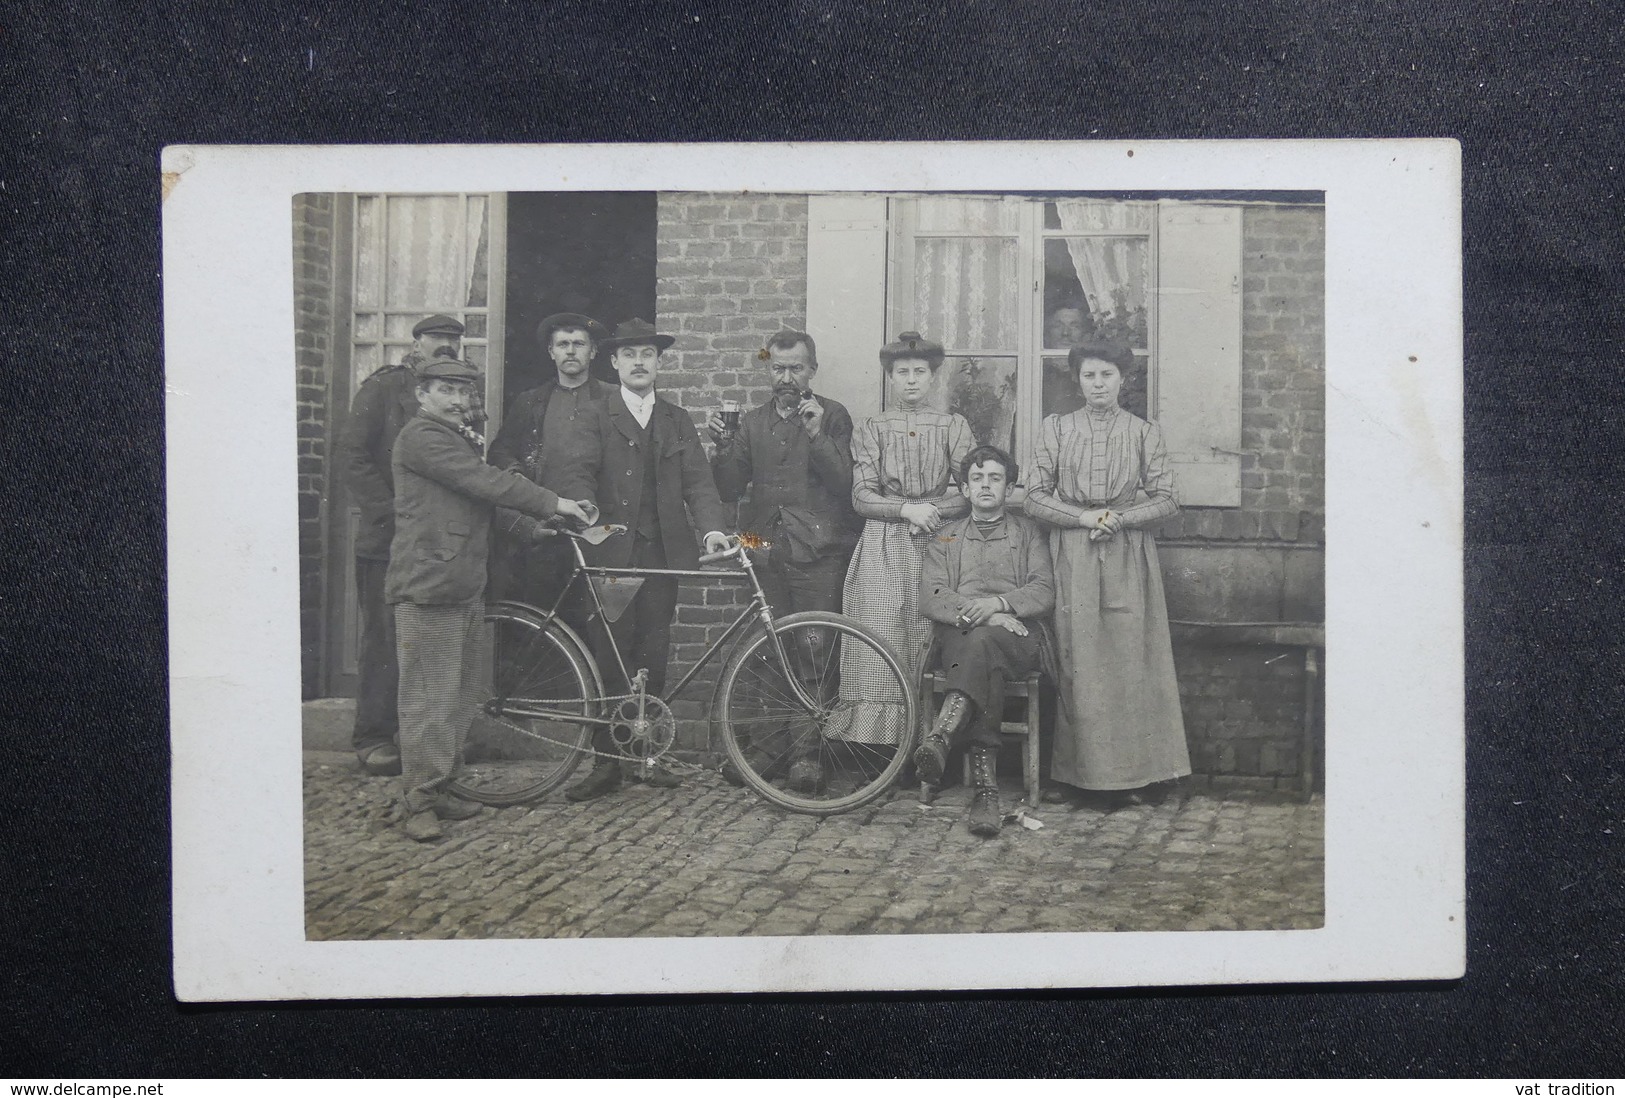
(759, 609)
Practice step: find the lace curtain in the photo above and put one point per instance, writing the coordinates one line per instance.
(1112, 270)
(415, 255)
(965, 286)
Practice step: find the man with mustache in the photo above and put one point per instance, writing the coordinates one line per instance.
(639, 459)
(534, 439)
(794, 455)
(445, 495)
(383, 404)
(988, 583)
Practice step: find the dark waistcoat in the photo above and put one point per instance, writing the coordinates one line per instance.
(649, 502)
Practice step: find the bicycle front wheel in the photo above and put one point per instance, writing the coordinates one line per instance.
(511, 755)
(821, 758)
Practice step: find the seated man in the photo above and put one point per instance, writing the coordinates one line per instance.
(987, 577)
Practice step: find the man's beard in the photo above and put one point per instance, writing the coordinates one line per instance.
(788, 396)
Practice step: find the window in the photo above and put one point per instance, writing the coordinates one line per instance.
(416, 255)
(411, 256)
(1008, 284)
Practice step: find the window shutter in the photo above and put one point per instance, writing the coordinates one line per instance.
(846, 302)
(1198, 382)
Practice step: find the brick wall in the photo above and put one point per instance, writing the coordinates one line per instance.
(1243, 707)
(731, 270)
(313, 326)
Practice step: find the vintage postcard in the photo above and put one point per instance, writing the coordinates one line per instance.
(626, 569)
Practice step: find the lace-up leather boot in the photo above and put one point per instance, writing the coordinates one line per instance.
(985, 816)
(931, 757)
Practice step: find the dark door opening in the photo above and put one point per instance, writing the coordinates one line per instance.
(579, 253)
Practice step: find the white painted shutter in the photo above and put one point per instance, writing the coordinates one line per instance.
(1198, 383)
(846, 296)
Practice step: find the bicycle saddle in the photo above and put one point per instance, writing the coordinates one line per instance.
(597, 535)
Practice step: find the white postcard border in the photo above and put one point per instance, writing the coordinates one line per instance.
(1394, 685)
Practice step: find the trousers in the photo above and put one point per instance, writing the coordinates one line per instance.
(442, 660)
(977, 662)
(377, 670)
(643, 631)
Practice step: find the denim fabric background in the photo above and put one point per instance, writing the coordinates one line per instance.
(91, 95)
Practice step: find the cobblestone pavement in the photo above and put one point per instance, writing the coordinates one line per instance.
(709, 859)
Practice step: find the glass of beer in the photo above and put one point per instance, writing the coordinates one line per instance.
(730, 414)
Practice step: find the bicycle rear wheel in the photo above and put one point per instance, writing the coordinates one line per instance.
(510, 756)
(816, 760)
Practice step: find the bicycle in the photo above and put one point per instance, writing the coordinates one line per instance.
(777, 701)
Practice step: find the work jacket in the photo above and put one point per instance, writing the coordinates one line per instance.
(445, 494)
(521, 444)
(800, 489)
(366, 438)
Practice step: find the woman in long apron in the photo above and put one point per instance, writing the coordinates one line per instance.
(1103, 480)
(903, 461)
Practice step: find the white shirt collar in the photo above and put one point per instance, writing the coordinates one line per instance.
(641, 407)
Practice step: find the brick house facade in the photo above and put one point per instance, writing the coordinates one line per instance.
(731, 269)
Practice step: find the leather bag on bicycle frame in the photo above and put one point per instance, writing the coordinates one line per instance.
(615, 593)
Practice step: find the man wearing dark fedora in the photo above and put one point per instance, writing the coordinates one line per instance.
(534, 439)
(445, 496)
(640, 460)
(383, 404)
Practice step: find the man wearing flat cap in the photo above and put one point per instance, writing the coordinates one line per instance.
(640, 460)
(445, 494)
(534, 438)
(382, 406)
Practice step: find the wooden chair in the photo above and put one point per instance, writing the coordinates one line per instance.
(936, 683)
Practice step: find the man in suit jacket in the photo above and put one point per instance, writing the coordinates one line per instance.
(988, 582)
(445, 494)
(534, 439)
(639, 459)
(383, 404)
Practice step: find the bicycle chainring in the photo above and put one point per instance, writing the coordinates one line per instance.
(647, 737)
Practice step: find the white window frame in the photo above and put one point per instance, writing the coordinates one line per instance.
(392, 349)
(1031, 237)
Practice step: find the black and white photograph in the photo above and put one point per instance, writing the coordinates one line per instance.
(893, 570)
(1030, 486)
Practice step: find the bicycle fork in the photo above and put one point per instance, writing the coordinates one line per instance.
(797, 687)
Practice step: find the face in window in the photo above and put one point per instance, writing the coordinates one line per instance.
(1065, 327)
(987, 485)
(446, 398)
(571, 350)
(793, 371)
(910, 381)
(1099, 381)
(438, 345)
(638, 367)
